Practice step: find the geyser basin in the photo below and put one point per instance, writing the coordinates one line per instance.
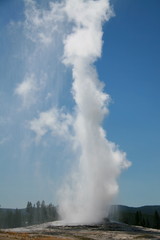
(96, 232)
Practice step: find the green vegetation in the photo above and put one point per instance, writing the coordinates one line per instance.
(148, 216)
(32, 214)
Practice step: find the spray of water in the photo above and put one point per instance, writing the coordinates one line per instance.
(92, 183)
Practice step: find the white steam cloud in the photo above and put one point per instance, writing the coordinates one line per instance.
(92, 185)
(53, 120)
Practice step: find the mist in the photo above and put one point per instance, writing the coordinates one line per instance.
(69, 35)
(93, 185)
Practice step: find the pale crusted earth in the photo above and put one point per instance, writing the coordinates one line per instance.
(52, 231)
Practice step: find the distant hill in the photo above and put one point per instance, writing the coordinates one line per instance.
(150, 210)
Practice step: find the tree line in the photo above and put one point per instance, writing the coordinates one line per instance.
(41, 213)
(144, 220)
(32, 214)
(137, 218)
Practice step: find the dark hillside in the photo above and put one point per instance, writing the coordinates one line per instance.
(147, 216)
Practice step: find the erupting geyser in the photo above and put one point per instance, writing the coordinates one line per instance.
(92, 184)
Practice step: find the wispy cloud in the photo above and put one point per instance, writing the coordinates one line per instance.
(53, 120)
(27, 89)
(39, 21)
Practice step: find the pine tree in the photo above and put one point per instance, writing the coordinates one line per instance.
(147, 223)
(38, 212)
(17, 219)
(156, 220)
(9, 219)
(29, 210)
(137, 218)
(43, 211)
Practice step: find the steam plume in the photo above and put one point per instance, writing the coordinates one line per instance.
(92, 184)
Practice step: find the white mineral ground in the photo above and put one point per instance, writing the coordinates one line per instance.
(109, 230)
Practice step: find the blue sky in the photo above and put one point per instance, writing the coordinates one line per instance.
(129, 67)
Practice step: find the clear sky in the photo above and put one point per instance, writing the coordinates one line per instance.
(129, 67)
